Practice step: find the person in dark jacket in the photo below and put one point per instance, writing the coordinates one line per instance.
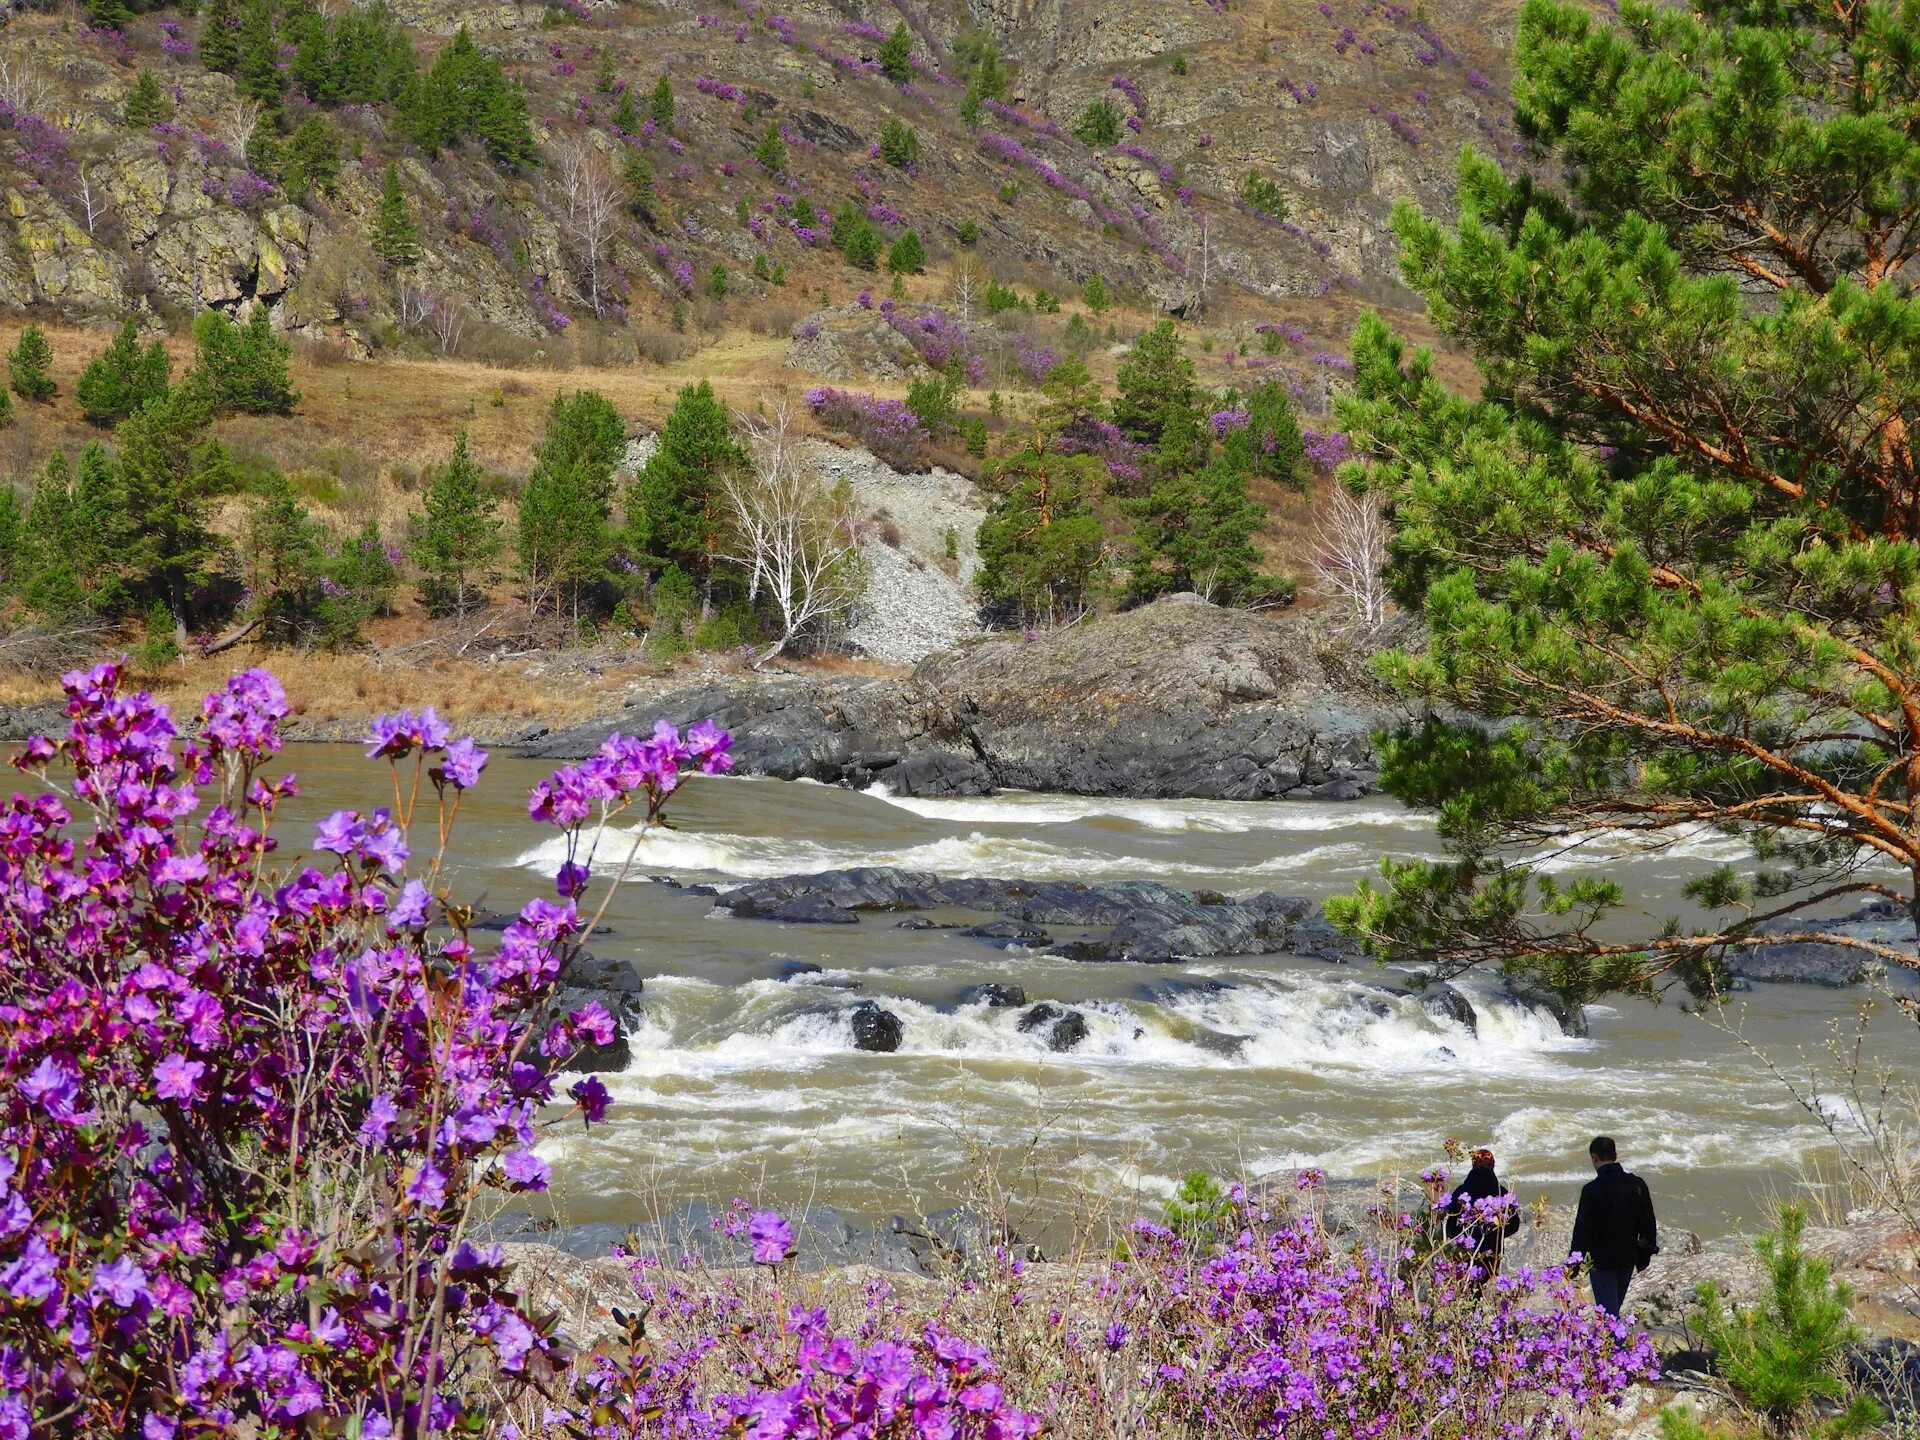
(1485, 1234)
(1613, 1232)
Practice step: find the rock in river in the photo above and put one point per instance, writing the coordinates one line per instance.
(876, 1029)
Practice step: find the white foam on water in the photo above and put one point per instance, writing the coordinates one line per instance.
(1225, 817)
(975, 855)
(1289, 1023)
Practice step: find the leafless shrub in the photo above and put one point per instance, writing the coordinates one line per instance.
(659, 344)
(776, 318)
(320, 351)
(47, 648)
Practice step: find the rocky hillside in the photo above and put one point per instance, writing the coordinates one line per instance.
(601, 242)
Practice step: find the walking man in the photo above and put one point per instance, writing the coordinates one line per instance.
(1613, 1232)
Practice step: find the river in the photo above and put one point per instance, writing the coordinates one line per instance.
(746, 1081)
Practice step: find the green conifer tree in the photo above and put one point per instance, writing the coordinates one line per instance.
(220, 36)
(626, 117)
(673, 503)
(896, 55)
(396, 239)
(772, 150)
(455, 542)
(899, 144)
(170, 474)
(30, 365)
(564, 539)
(1155, 382)
(863, 245)
(123, 377)
(145, 105)
(1099, 124)
(1669, 547)
(660, 106)
(908, 256)
(310, 158)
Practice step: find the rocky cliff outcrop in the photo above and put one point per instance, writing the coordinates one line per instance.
(1176, 699)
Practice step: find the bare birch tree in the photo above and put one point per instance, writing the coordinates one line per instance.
(23, 86)
(1350, 550)
(238, 124)
(966, 283)
(797, 541)
(590, 202)
(93, 202)
(449, 324)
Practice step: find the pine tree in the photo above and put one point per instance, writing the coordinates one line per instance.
(673, 503)
(896, 55)
(626, 118)
(973, 110)
(145, 105)
(1155, 381)
(506, 126)
(396, 239)
(772, 150)
(220, 37)
(564, 540)
(908, 256)
(1270, 444)
(1099, 124)
(169, 475)
(863, 245)
(284, 554)
(1041, 545)
(259, 75)
(311, 158)
(899, 144)
(1094, 296)
(29, 365)
(1787, 1355)
(123, 377)
(13, 539)
(6, 408)
(1193, 530)
(455, 542)
(1671, 549)
(242, 368)
(108, 14)
(660, 107)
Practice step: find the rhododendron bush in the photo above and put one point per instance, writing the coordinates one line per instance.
(249, 1110)
(252, 1108)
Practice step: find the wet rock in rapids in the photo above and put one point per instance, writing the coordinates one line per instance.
(995, 995)
(1064, 1028)
(875, 1029)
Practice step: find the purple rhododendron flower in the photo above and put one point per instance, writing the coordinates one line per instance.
(122, 1282)
(772, 1237)
(526, 1170)
(176, 1077)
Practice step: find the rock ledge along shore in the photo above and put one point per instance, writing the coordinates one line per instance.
(1177, 699)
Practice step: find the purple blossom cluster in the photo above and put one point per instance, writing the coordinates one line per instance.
(1280, 1329)
(1326, 449)
(1132, 91)
(885, 426)
(1124, 459)
(190, 1035)
(719, 89)
(937, 338)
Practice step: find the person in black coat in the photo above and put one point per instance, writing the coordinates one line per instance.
(1614, 1233)
(1486, 1235)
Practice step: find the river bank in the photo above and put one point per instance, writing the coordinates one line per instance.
(1174, 699)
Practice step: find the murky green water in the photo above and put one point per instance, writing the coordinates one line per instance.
(747, 1083)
